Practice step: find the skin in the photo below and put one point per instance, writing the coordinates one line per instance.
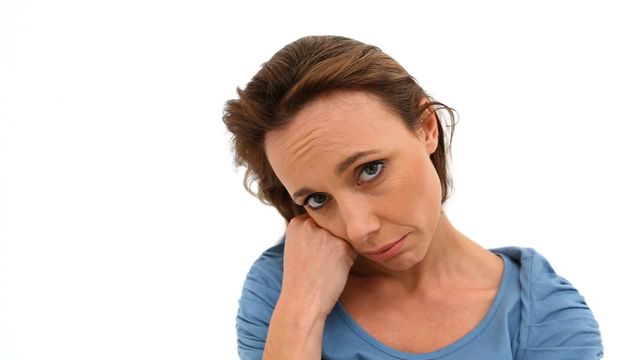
(439, 285)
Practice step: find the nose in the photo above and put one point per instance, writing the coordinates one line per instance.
(359, 217)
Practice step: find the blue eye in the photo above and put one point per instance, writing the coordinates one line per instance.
(315, 201)
(370, 171)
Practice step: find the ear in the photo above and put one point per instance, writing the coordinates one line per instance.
(427, 129)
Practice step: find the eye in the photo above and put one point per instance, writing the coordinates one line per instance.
(315, 201)
(370, 171)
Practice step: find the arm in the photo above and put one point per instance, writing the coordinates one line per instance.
(294, 333)
(316, 267)
(313, 275)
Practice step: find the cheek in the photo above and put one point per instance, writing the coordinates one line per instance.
(330, 221)
(421, 193)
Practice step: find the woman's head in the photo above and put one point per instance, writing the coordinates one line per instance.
(302, 72)
(361, 174)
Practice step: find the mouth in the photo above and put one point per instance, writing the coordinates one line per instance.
(386, 247)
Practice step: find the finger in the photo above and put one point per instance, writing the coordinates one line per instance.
(303, 217)
(351, 251)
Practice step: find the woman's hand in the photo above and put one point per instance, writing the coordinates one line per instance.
(316, 265)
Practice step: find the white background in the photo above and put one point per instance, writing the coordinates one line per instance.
(125, 232)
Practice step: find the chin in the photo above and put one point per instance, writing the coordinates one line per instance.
(407, 260)
(401, 263)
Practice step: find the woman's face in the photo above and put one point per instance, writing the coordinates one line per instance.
(362, 175)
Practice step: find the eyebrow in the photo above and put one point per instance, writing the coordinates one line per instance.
(340, 168)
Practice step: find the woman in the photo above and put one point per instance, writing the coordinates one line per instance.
(351, 151)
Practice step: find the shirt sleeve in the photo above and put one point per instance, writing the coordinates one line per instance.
(259, 296)
(557, 323)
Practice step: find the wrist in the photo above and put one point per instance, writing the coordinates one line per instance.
(300, 308)
(294, 332)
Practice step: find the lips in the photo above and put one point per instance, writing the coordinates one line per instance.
(385, 248)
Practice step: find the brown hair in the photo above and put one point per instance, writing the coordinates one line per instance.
(302, 70)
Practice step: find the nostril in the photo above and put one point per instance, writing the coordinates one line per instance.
(358, 216)
(360, 229)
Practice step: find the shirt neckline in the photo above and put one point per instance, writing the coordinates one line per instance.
(458, 344)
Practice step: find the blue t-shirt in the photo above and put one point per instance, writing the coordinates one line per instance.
(536, 315)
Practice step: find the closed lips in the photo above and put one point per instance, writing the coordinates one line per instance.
(385, 248)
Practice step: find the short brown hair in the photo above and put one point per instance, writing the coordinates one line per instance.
(302, 70)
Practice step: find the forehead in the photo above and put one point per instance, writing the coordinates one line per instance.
(334, 121)
(329, 129)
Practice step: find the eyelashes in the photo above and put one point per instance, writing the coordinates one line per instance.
(318, 198)
(366, 173)
(372, 170)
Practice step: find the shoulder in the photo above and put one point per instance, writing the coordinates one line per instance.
(555, 319)
(258, 299)
(267, 269)
(264, 280)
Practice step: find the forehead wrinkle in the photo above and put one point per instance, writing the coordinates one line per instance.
(319, 133)
(311, 146)
(297, 145)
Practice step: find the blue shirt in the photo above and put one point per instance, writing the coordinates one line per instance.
(536, 315)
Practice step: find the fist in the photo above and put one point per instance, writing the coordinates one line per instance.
(316, 265)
